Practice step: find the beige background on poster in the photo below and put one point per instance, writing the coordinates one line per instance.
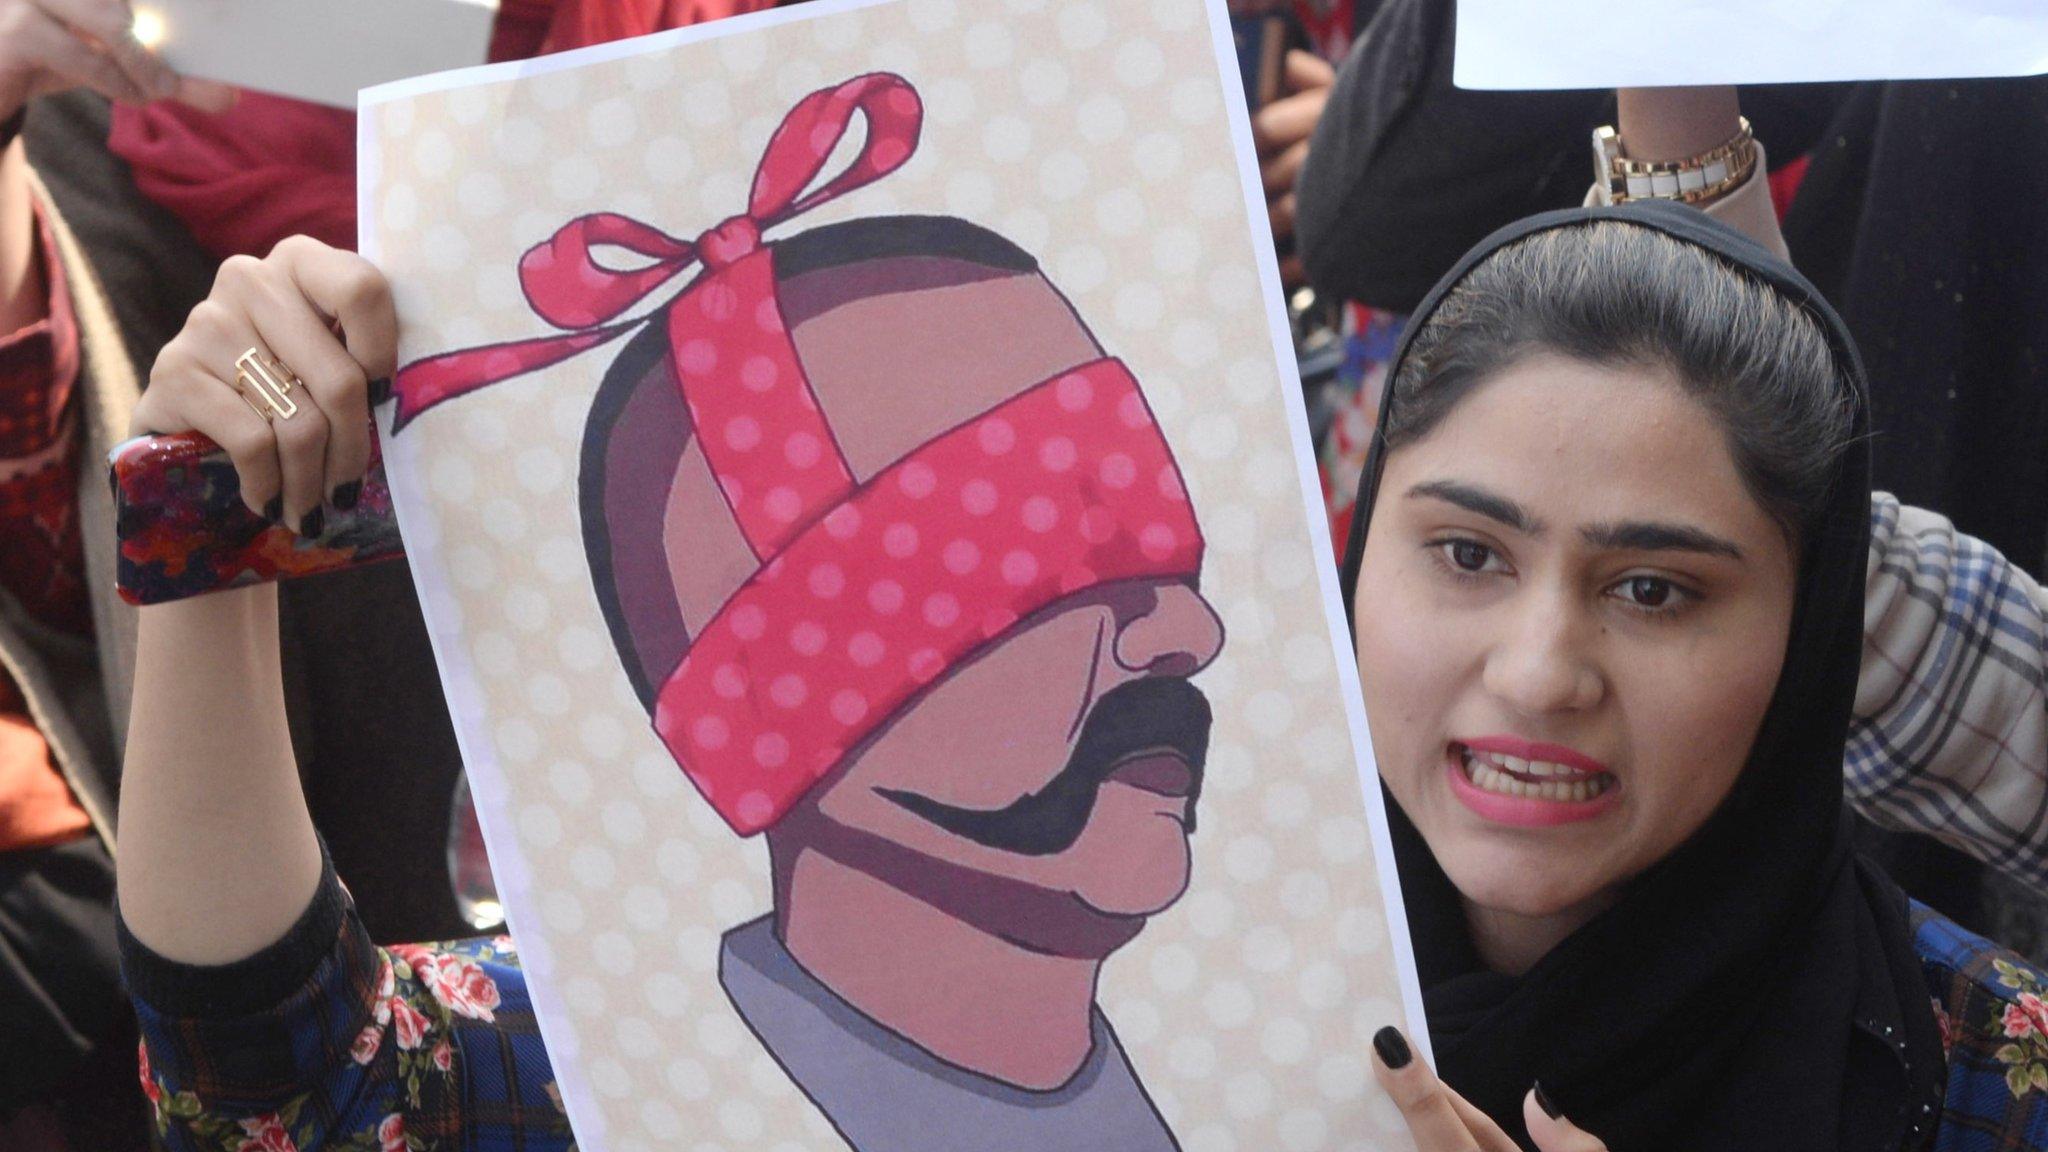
(1092, 133)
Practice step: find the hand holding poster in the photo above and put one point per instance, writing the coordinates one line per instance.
(1588, 44)
(882, 616)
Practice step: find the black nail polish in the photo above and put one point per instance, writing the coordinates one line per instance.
(313, 523)
(1392, 1047)
(1544, 1102)
(380, 390)
(347, 496)
(274, 511)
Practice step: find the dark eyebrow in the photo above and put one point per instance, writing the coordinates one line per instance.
(1478, 500)
(1630, 535)
(1644, 536)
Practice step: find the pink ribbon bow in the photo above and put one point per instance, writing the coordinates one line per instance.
(567, 287)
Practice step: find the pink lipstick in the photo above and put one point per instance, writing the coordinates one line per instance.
(1528, 784)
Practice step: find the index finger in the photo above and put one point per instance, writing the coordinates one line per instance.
(348, 290)
(1421, 1097)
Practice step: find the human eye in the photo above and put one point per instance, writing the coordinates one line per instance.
(1653, 596)
(1466, 558)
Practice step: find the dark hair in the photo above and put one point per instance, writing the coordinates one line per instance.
(1614, 293)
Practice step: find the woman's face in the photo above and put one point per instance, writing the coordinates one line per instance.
(1571, 619)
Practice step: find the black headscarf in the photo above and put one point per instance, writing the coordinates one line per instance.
(1738, 993)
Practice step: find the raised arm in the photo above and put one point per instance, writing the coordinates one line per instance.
(218, 855)
(1951, 729)
(1406, 171)
(1673, 124)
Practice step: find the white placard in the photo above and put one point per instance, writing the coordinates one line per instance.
(1525, 44)
(316, 50)
(1109, 143)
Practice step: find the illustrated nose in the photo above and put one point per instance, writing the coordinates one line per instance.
(1173, 632)
(1540, 664)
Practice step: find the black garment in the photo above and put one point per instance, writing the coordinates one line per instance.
(1721, 1003)
(60, 978)
(1405, 172)
(1924, 217)
(375, 745)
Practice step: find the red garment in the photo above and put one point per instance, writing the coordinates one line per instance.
(273, 167)
(42, 557)
(1330, 24)
(37, 809)
(1785, 184)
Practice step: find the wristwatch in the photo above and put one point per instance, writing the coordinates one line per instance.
(1720, 169)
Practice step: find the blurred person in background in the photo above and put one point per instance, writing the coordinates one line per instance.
(122, 187)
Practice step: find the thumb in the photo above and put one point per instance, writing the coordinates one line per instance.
(1550, 1130)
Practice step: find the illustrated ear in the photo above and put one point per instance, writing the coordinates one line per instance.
(633, 442)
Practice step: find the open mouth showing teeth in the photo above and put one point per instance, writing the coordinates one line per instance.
(1531, 779)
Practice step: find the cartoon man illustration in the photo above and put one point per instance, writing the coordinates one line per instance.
(902, 566)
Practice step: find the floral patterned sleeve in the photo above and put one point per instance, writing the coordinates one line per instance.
(42, 554)
(324, 1041)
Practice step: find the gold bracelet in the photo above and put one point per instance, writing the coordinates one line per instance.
(1720, 169)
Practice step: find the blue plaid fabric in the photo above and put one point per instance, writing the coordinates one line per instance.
(1994, 1028)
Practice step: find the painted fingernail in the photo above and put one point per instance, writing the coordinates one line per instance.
(1392, 1047)
(347, 496)
(1544, 1102)
(380, 390)
(274, 511)
(313, 523)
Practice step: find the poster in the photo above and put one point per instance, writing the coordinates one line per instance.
(1512, 44)
(862, 503)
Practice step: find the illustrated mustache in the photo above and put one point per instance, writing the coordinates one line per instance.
(1161, 713)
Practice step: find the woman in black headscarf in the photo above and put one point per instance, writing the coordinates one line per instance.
(1608, 618)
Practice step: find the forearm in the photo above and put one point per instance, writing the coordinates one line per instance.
(1675, 124)
(23, 295)
(1950, 728)
(218, 856)
(1671, 124)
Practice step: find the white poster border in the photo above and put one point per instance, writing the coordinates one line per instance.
(441, 612)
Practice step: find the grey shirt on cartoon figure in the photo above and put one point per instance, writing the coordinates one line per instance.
(885, 1094)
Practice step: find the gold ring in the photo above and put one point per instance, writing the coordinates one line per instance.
(262, 377)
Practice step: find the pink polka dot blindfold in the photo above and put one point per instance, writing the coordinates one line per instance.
(867, 592)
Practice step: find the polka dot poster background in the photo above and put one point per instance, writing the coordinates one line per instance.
(1093, 134)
